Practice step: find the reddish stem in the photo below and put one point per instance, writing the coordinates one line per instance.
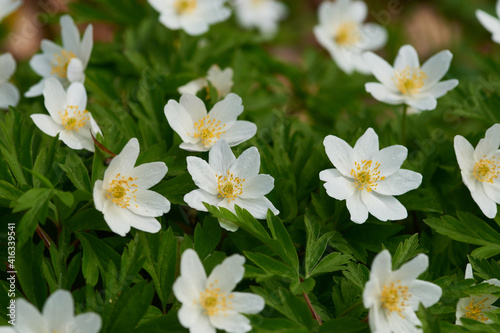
(43, 235)
(311, 308)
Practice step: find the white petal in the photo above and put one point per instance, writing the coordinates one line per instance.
(75, 71)
(407, 56)
(490, 23)
(384, 207)
(7, 329)
(423, 292)
(203, 325)
(390, 158)
(257, 186)
(489, 144)
(77, 96)
(35, 90)
(195, 199)
(58, 310)
(329, 175)
(9, 95)
(227, 274)
(412, 269)
(195, 28)
(340, 188)
(49, 47)
(202, 174)
(258, 207)
(76, 141)
(231, 321)
(339, 153)
(194, 146)
(492, 191)
(221, 157)
(7, 66)
(192, 272)
(124, 162)
(189, 314)
(114, 217)
(378, 320)
(441, 88)
(228, 225)
(70, 34)
(487, 206)
(405, 323)
(381, 266)
(99, 195)
(41, 64)
(366, 145)
(29, 320)
(144, 223)
(89, 322)
(149, 203)
(240, 131)
(399, 182)
(193, 106)
(436, 67)
(86, 45)
(357, 209)
(180, 120)
(46, 124)
(357, 11)
(422, 102)
(247, 164)
(247, 303)
(464, 152)
(468, 272)
(383, 94)
(374, 36)
(228, 109)
(192, 87)
(380, 69)
(54, 98)
(148, 174)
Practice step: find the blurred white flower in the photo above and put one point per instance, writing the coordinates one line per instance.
(394, 296)
(261, 14)
(480, 168)
(476, 307)
(67, 63)
(341, 31)
(123, 194)
(408, 83)
(210, 303)
(58, 315)
(9, 94)
(7, 7)
(226, 181)
(222, 80)
(68, 115)
(192, 16)
(199, 131)
(367, 178)
(491, 23)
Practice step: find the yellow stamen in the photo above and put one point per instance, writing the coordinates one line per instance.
(486, 170)
(73, 119)
(366, 175)
(185, 6)
(121, 191)
(60, 63)
(347, 34)
(409, 80)
(215, 302)
(229, 187)
(475, 310)
(208, 130)
(394, 297)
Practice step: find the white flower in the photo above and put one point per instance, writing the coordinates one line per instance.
(480, 168)
(192, 16)
(367, 178)
(123, 194)
(475, 307)
(199, 130)
(222, 80)
(9, 94)
(261, 14)
(58, 315)
(408, 83)
(394, 296)
(341, 31)
(8, 6)
(491, 23)
(226, 181)
(210, 303)
(68, 115)
(67, 63)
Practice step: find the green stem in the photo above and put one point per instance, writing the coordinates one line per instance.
(351, 309)
(403, 125)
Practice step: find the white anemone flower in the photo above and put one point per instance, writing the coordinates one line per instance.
(192, 16)
(394, 296)
(491, 23)
(261, 14)
(123, 196)
(58, 315)
(407, 82)
(367, 178)
(210, 303)
(200, 130)
(343, 34)
(9, 94)
(226, 181)
(222, 80)
(68, 115)
(480, 168)
(7, 7)
(66, 63)
(476, 307)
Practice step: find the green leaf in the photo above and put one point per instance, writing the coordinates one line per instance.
(357, 274)
(280, 234)
(344, 325)
(298, 287)
(331, 263)
(29, 260)
(77, 172)
(405, 251)
(8, 193)
(207, 237)
(316, 245)
(271, 265)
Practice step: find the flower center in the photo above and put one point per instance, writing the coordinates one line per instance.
(347, 34)
(409, 80)
(486, 170)
(208, 130)
(60, 63)
(475, 310)
(73, 119)
(394, 297)
(185, 6)
(229, 187)
(121, 191)
(213, 301)
(366, 175)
